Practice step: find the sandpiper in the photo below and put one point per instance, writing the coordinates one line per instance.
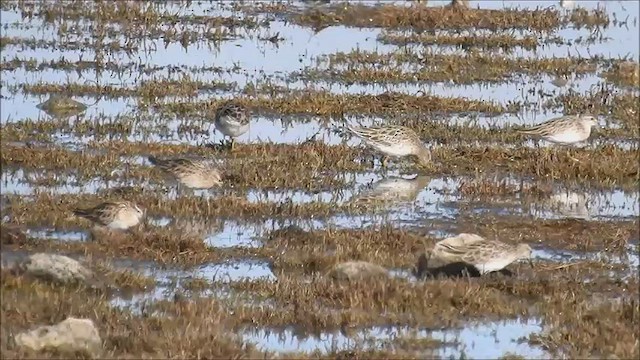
(61, 106)
(193, 173)
(117, 215)
(485, 255)
(61, 102)
(396, 141)
(563, 130)
(232, 120)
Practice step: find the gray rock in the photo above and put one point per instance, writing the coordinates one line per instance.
(71, 334)
(57, 268)
(357, 270)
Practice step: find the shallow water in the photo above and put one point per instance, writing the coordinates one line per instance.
(57, 235)
(629, 258)
(169, 280)
(217, 234)
(477, 341)
(300, 49)
(403, 199)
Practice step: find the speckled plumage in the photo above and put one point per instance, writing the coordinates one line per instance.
(61, 102)
(232, 120)
(563, 130)
(485, 255)
(194, 173)
(120, 215)
(392, 140)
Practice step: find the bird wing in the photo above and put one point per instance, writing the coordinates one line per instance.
(381, 135)
(453, 249)
(96, 213)
(172, 165)
(548, 127)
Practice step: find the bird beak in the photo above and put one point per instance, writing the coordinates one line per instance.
(144, 223)
(423, 163)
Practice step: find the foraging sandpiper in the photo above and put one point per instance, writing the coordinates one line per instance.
(116, 215)
(193, 173)
(396, 141)
(485, 255)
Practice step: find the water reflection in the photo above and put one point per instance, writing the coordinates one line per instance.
(392, 190)
(596, 205)
(58, 235)
(560, 81)
(630, 257)
(216, 233)
(567, 4)
(474, 341)
(24, 107)
(195, 227)
(24, 183)
(235, 234)
(569, 204)
(296, 196)
(62, 114)
(408, 199)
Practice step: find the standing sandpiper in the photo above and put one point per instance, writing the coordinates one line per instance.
(564, 130)
(485, 255)
(232, 120)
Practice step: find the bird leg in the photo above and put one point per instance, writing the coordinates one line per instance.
(553, 154)
(370, 157)
(571, 157)
(233, 142)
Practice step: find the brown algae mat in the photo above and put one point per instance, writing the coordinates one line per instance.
(26, 302)
(617, 167)
(309, 306)
(473, 67)
(419, 17)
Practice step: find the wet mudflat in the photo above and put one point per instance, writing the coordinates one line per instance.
(248, 269)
